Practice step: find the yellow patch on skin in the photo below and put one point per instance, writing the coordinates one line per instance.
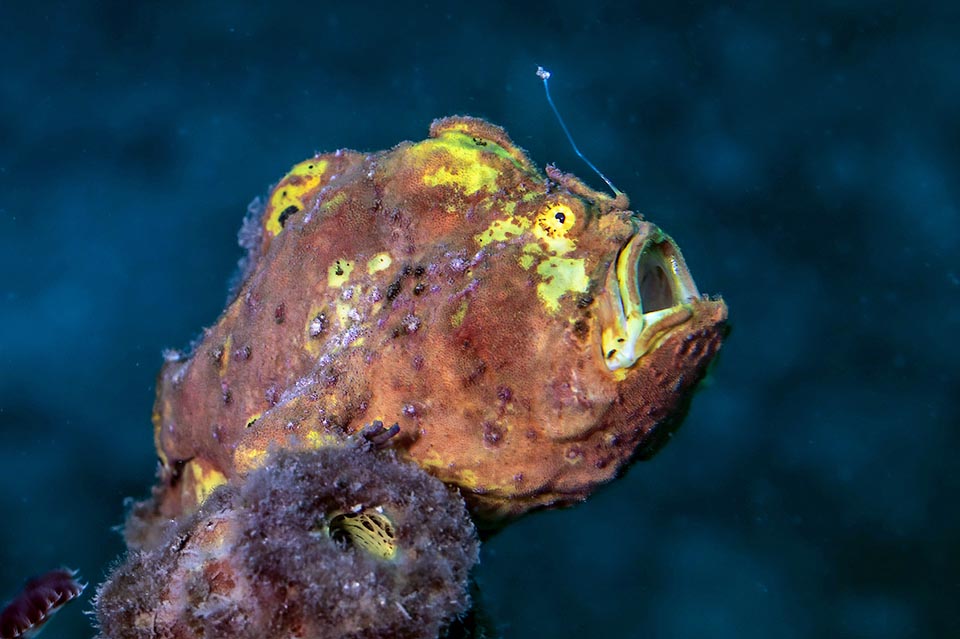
(457, 318)
(468, 167)
(247, 459)
(502, 229)
(302, 178)
(315, 439)
(204, 481)
(379, 262)
(339, 273)
(560, 275)
(336, 200)
(225, 357)
(432, 460)
(530, 254)
(468, 479)
(470, 178)
(343, 314)
(551, 227)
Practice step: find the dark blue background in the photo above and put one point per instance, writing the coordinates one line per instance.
(804, 157)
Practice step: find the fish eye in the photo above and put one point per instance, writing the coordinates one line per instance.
(555, 221)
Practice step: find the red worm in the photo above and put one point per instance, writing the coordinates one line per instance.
(40, 598)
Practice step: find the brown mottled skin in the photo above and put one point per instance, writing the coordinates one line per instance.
(495, 390)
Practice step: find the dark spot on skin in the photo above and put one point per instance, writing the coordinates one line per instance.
(417, 362)
(504, 393)
(611, 353)
(601, 463)
(279, 313)
(479, 141)
(243, 353)
(225, 393)
(419, 271)
(560, 217)
(406, 271)
(492, 434)
(580, 328)
(394, 289)
(176, 470)
(585, 300)
(574, 452)
(397, 332)
(419, 288)
(287, 212)
(339, 270)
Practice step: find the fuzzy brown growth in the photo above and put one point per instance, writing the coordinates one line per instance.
(259, 560)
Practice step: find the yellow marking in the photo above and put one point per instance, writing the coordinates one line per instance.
(470, 163)
(316, 439)
(530, 253)
(204, 481)
(301, 179)
(247, 459)
(253, 419)
(471, 177)
(457, 318)
(379, 262)
(225, 357)
(432, 460)
(467, 479)
(343, 313)
(560, 275)
(367, 530)
(501, 230)
(551, 227)
(339, 273)
(334, 201)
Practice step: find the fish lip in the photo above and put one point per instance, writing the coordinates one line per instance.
(649, 271)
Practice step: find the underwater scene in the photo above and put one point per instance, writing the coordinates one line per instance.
(506, 320)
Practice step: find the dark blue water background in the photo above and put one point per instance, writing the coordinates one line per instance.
(805, 157)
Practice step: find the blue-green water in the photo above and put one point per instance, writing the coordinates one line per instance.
(805, 158)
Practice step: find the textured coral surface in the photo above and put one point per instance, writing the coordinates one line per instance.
(272, 558)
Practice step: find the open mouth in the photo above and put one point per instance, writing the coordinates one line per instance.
(650, 293)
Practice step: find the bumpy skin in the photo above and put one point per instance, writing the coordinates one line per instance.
(447, 286)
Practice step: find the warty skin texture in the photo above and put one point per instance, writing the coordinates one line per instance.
(448, 286)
